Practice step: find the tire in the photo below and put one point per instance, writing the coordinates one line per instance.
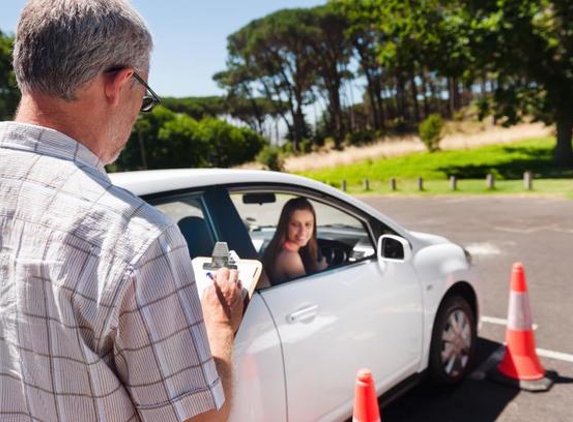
(453, 342)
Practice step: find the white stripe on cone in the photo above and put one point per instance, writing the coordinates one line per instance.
(519, 314)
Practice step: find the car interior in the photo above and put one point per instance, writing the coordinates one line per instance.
(247, 220)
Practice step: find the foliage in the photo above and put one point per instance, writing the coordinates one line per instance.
(529, 45)
(271, 56)
(164, 139)
(271, 157)
(287, 149)
(196, 107)
(331, 52)
(361, 137)
(229, 145)
(513, 59)
(182, 145)
(431, 130)
(9, 93)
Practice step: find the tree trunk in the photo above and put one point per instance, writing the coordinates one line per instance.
(563, 153)
(451, 97)
(298, 127)
(374, 115)
(374, 112)
(415, 98)
(400, 97)
(299, 122)
(336, 110)
(425, 90)
(340, 126)
(380, 103)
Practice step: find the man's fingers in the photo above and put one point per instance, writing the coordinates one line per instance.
(223, 300)
(227, 281)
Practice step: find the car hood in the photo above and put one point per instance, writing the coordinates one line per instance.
(427, 239)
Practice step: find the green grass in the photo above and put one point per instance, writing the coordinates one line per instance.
(507, 162)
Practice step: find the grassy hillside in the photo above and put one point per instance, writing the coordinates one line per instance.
(507, 162)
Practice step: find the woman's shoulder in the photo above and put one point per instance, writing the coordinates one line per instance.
(288, 256)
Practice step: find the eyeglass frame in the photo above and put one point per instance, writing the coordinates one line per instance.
(150, 99)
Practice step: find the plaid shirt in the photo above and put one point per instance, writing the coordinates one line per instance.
(99, 313)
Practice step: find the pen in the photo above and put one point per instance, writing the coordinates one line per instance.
(210, 275)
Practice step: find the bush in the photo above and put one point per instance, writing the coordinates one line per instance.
(431, 131)
(288, 148)
(228, 144)
(360, 137)
(306, 146)
(271, 157)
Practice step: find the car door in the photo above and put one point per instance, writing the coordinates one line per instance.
(207, 216)
(354, 314)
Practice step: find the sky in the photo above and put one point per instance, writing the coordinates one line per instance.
(190, 37)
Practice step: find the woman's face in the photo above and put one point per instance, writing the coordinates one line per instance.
(300, 227)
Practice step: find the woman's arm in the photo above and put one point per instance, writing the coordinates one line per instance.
(322, 264)
(290, 263)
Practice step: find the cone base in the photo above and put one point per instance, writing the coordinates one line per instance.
(536, 386)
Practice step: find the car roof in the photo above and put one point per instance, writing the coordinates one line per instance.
(148, 182)
(155, 181)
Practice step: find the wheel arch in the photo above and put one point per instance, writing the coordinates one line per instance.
(465, 290)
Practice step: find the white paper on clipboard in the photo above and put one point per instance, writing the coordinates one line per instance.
(249, 273)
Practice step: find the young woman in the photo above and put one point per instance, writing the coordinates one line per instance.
(293, 250)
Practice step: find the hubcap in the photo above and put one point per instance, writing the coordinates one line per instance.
(456, 343)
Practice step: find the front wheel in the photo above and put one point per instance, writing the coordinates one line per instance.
(453, 341)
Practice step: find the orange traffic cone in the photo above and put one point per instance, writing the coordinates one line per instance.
(365, 401)
(520, 362)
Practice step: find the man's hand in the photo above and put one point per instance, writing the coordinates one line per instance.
(223, 301)
(222, 305)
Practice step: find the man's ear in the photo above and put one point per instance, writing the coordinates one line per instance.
(115, 82)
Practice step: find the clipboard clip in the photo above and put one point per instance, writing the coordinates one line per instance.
(220, 258)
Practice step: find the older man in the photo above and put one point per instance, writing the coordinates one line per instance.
(99, 313)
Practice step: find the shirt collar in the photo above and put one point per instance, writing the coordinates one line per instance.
(46, 141)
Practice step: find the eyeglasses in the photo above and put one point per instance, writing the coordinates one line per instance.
(150, 99)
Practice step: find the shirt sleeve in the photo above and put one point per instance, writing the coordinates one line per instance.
(162, 354)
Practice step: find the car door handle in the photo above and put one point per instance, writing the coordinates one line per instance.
(306, 314)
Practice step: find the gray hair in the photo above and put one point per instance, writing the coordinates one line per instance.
(62, 44)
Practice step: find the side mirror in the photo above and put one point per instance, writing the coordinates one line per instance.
(393, 248)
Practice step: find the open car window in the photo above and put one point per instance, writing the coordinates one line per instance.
(188, 211)
(342, 238)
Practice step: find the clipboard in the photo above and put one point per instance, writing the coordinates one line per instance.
(206, 267)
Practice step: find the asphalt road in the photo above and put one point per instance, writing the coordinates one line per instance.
(499, 231)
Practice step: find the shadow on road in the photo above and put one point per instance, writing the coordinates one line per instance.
(473, 400)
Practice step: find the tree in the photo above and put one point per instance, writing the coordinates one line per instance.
(242, 101)
(164, 139)
(430, 131)
(528, 44)
(196, 107)
(332, 51)
(363, 34)
(9, 92)
(228, 145)
(404, 47)
(272, 55)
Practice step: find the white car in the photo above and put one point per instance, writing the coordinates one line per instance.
(400, 303)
